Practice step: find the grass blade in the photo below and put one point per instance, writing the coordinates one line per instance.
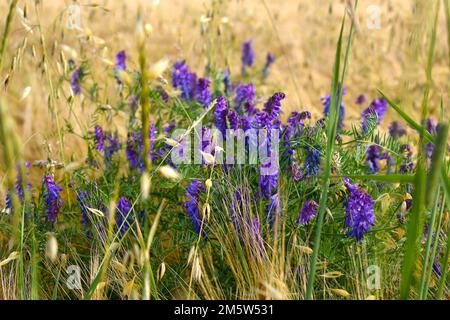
(336, 97)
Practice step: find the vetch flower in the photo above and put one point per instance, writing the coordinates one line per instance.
(52, 198)
(308, 212)
(248, 55)
(271, 111)
(311, 165)
(220, 112)
(99, 138)
(396, 130)
(267, 183)
(378, 107)
(273, 209)
(82, 198)
(121, 61)
(112, 146)
(184, 80)
(124, 217)
(203, 94)
(193, 194)
(226, 79)
(245, 96)
(373, 156)
(270, 59)
(360, 212)
(361, 99)
(120, 65)
(326, 101)
(75, 81)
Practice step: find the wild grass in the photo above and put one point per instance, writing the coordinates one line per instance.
(148, 248)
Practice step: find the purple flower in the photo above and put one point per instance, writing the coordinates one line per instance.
(267, 183)
(296, 173)
(135, 147)
(360, 212)
(99, 138)
(311, 165)
(233, 119)
(170, 126)
(432, 129)
(75, 81)
(18, 188)
(270, 59)
(112, 146)
(162, 93)
(396, 130)
(134, 103)
(308, 212)
(296, 119)
(52, 198)
(245, 96)
(82, 198)
(361, 99)
(124, 218)
(193, 194)
(203, 95)
(326, 101)
(378, 107)
(271, 111)
(248, 55)
(184, 80)
(221, 112)
(373, 156)
(121, 61)
(273, 209)
(273, 106)
(406, 168)
(226, 79)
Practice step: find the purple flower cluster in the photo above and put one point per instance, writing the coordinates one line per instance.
(270, 60)
(106, 142)
(378, 107)
(203, 93)
(135, 147)
(245, 96)
(361, 99)
(396, 130)
(360, 212)
(52, 198)
(82, 198)
(112, 145)
(432, 128)
(273, 208)
(308, 212)
(120, 65)
(191, 206)
(326, 101)
(374, 155)
(124, 218)
(248, 55)
(271, 111)
(75, 81)
(184, 80)
(18, 188)
(99, 138)
(225, 118)
(311, 166)
(121, 61)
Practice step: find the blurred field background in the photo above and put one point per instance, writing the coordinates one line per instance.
(301, 33)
